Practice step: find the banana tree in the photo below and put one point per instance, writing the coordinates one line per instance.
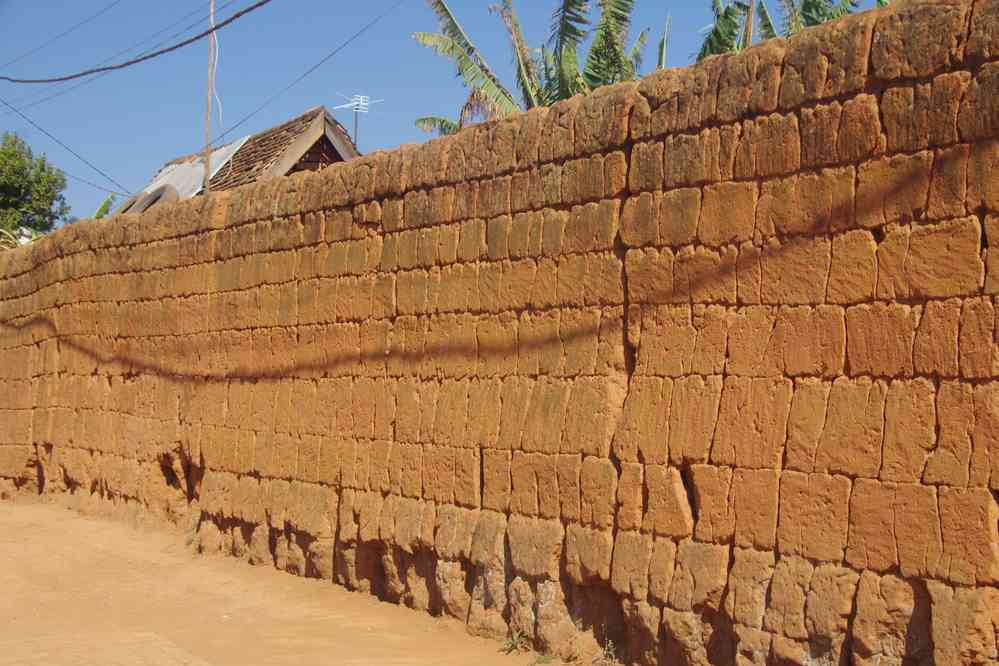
(488, 96)
(545, 75)
(734, 25)
(8, 239)
(104, 208)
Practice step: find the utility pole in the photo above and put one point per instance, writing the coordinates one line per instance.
(747, 38)
(208, 99)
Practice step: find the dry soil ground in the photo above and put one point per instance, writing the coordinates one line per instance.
(81, 591)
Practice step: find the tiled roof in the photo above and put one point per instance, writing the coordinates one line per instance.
(275, 152)
(261, 151)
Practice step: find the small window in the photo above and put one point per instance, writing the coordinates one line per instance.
(129, 204)
(162, 194)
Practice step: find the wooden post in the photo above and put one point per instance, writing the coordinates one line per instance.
(747, 38)
(205, 186)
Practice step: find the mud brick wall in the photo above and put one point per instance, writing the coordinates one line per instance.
(703, 366)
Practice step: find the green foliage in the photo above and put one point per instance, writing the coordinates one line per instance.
(472, 67)
(517, 641)
(793, 21)
(8, 240)
(545, 75)
(569, 29)
(527, 66)
(727, 30)
(635, 54)
(610, 60)
(105, 207)
(30, 189)
(439, 124)
(732, 29)
(767, 28)
(553, 72)
(816, 12)
(664, 43)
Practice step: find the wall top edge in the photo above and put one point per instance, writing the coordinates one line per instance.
(908, 40)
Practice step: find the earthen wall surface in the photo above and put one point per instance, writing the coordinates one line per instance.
(705, 365)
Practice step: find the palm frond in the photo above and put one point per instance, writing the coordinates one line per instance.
(608, 61)
(570, 79)
(550, 80)
(724, 35)
(767, 28)
(664, 42)
(472, 71)
(843, 8)
(793, 23)
(569, 23)
(443, 126)
(813, 12)
(526, 67)
(8, 240)
(451, 27)
(472, 66)
(636, 53)
(605, 59)
(816, 12)
(618, 13)
(569, 29)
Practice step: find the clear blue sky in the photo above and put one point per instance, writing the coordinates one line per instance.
(130, 122)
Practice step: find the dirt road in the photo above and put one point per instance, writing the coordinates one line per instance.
(84, 591)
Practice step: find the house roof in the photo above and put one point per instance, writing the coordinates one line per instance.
(268, 154)
(273, 152)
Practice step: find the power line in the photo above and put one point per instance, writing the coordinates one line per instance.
(92, 184)
(370, 24)
(149, 56)
(73, 152)
(62, 34)
(60, 91)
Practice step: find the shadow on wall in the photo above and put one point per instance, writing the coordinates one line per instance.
(289, 532)
(111, 355)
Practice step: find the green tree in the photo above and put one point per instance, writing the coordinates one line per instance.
(545, 75)
(734, 25)
(30, 189)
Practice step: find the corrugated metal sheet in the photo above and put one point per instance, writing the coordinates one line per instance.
(187, 177)
(247, 160)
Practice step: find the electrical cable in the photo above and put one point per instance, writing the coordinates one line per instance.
(149, 56)
(37, 100)
(70, 150)
(93, 184)
(370, 24)
(62, 34)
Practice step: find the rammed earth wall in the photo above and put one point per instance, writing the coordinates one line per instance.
(705, 365)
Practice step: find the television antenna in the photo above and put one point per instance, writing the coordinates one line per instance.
(359, 104)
